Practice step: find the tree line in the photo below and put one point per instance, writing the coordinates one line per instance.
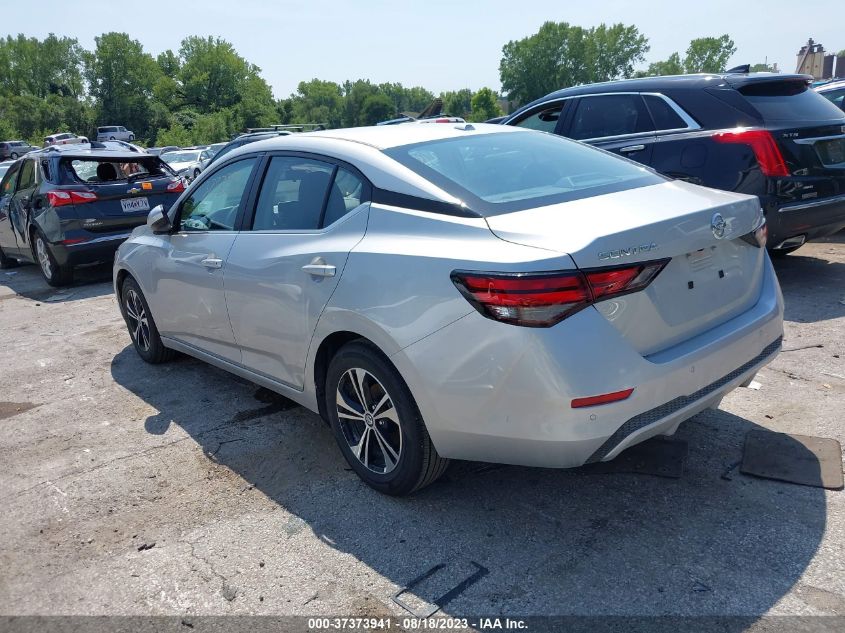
(206, 92)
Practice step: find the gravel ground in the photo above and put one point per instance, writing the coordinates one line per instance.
(181, 490)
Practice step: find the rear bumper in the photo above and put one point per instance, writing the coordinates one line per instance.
(98, 249)
(499, 393)
(812, 219)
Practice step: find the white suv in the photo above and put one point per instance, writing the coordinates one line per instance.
(114, 133)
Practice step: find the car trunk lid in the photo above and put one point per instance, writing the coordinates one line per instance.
(712, 275)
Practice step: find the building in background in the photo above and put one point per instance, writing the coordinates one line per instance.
(813, 60)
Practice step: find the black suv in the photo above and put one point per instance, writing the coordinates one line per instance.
(74, 204)
(757, 133)
(14, 149)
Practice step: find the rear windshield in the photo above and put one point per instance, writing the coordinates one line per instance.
(99, 170)
(503, 172)
(789, 101)
(181, 157)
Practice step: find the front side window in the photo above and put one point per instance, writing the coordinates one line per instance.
(544, 120)
(512, 171)
(215, 203)
(7, 186)
(609, 115)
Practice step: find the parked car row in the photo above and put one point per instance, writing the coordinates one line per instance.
(763, 134)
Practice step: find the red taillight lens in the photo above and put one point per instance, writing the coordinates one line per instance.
(61, 198)
(544, 299)
(764, 146)
(606, 398)
(177, 186)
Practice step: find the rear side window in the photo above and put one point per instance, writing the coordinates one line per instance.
(103, 170)
(664, 117)
(609, 115)
(544, 120)
(27, 178)
(503, 172)
(292, 194)
(789, 101)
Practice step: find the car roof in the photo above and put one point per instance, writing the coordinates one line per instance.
(833, 85)
(387, 136)
(82, 150)
(668, 82)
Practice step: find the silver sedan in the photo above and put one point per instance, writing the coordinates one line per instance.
(458, 291)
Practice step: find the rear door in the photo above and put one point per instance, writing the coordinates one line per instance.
(617, 122)
(283, 268)
(188, 299)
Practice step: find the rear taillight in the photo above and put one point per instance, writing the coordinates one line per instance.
(764, 146)
(544, 299)
(177, 186)
(60, 198)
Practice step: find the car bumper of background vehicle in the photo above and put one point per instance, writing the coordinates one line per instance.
(811, 218)
(494, 392)
(97, 249)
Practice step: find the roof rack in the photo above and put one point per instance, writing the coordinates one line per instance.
(291, 127)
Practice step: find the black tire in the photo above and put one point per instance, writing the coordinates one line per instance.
(7, 262)
(131, 137)
(196, 173)
(418, 463)
(55, 275)
(13, 156)
(111, 138)
(149, 347)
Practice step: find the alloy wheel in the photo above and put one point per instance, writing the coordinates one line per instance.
(43, 257)
(369, 421)
(136, 317)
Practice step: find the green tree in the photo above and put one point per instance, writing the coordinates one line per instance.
(671, 66)
(377, 107)
(762, 68)
(214, 76)
(317, 101)
(485, 105)
(709, 54)
(560, 55)
(121, 77)
(176, 134)
(457, 103)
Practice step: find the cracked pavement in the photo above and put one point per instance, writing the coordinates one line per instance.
(179, 489)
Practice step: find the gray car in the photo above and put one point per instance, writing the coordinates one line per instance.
(10, 150)
(475, 292)
(114, 133)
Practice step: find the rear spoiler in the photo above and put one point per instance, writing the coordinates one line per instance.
(739, 79)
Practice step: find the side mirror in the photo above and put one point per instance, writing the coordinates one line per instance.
(158, 221)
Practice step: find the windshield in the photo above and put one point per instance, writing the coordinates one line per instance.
(504, 172)
(181, 157)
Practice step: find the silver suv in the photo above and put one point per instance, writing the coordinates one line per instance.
(114, 133)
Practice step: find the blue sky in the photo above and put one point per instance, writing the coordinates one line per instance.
(442, 45)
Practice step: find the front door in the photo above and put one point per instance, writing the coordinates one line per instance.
(282, 271)
(8, 242)
(189, 302)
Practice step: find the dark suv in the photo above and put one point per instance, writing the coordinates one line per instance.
(14, 149)
(757, 133)
(75, 204)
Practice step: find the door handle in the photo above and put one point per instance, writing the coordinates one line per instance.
(212, 262)
(632, 148)
(319, 268)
